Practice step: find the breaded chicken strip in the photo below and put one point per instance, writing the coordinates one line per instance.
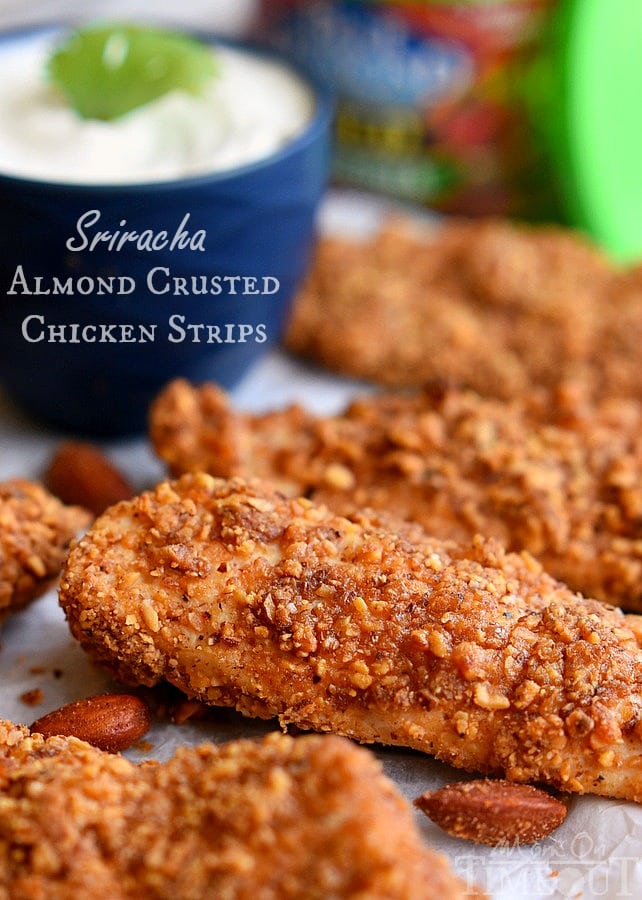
(495, 306)
(618, 356)
(35, 532)
(561, 477)
(281, 818)
(278, 607)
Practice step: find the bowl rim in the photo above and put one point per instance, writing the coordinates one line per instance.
(320, 122)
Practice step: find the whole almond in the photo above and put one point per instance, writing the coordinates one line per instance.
(493, 812)
(80, 474)
(110, 722)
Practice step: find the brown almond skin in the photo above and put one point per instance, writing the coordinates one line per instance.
(493, 812)
(111, 722)
(80, 474)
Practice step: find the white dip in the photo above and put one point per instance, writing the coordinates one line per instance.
(252, 108)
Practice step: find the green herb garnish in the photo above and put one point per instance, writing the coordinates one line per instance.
(104, 71)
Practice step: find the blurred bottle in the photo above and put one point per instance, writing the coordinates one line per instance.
(432, 103)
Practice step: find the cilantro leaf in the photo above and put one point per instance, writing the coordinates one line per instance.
(105, 71)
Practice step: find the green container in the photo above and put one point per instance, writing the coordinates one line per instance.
(588, 109)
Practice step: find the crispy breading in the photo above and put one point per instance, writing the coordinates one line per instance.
(278, 818)
(492, 305)
(557, 475)
(35, 532)
(242, 597)
(618, 358)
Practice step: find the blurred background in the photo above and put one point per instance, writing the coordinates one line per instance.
(230, 16)
(521, 108)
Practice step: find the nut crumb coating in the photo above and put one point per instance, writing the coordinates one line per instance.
(361, 626)
(556, 474)
(35, 532)
(493, 305)
(272, 819)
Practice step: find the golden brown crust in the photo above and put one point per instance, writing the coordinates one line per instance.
(278, 607)
(35, 532)
(492, 305)
(277, 818)
(556, 475)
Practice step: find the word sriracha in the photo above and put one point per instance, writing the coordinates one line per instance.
(146, 240)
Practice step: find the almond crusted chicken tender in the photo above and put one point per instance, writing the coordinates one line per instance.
(557, 475)
(35, 532)
(278, 607)
(619, 354)
(279, 818)
(493, 305)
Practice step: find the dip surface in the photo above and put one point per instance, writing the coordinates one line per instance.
(252, 108)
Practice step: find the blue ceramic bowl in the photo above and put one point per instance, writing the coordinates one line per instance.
(91, 361)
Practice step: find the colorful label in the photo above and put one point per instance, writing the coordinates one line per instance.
(429, 96)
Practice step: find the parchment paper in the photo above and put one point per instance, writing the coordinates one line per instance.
(594, 854)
